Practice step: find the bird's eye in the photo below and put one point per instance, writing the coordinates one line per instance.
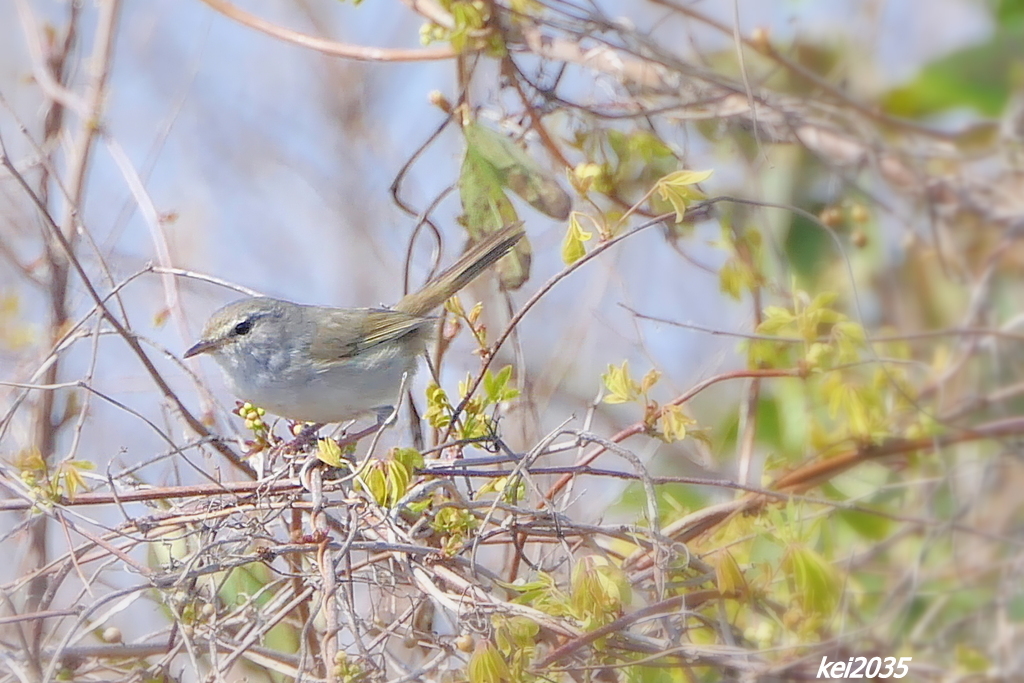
(243, 327)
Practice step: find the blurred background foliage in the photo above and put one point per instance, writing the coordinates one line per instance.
(772, 299)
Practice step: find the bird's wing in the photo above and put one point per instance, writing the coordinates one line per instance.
(343, 333)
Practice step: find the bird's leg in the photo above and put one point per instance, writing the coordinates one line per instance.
(386, 416)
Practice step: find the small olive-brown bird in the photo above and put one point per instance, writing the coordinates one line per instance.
(322, 364)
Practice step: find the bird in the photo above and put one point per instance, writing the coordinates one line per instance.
(322, 364)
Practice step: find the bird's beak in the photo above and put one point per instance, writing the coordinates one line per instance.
(202, 347)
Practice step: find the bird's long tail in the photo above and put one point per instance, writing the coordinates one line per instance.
(479, 257)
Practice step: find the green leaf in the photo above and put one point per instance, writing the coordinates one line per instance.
(775, 319)
(486, 208)
(621, 387)
(486, 665)
(677, 189)
(410, 458)
(572, 246)
(372, 481)
(329, 452)
(521, 632)
(809, 249)
(728, 575)
(816, 584)
(599, 591)
(590, 175)
(649, 380)
(396, 482)
(1009, 13)
(492, 486)
(496, 386)
(974, 77)
(867, 525)
(731, 278)
(69, 473)
(453, 522)
(513, 168)
(439, 409)
(674, 423)
(481, 189)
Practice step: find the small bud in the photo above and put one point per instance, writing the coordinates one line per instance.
(438, 99)
(111, 634)
(831, 216)
(760, 38)
(859, 214)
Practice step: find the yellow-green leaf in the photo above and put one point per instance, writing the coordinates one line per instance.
(621, 387)
(674, 423)
(496, 386)
(396, 482)
(493, 486)
(677, 189)
(373, 483)
(486, 665)
(816, 584)
(439, 409)
(649, 380)
(486, 208)
(328, 451)
(572, 246)
(729, 576)
(410, 458)
(71, 473)
(731, 279)
(517, 170)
